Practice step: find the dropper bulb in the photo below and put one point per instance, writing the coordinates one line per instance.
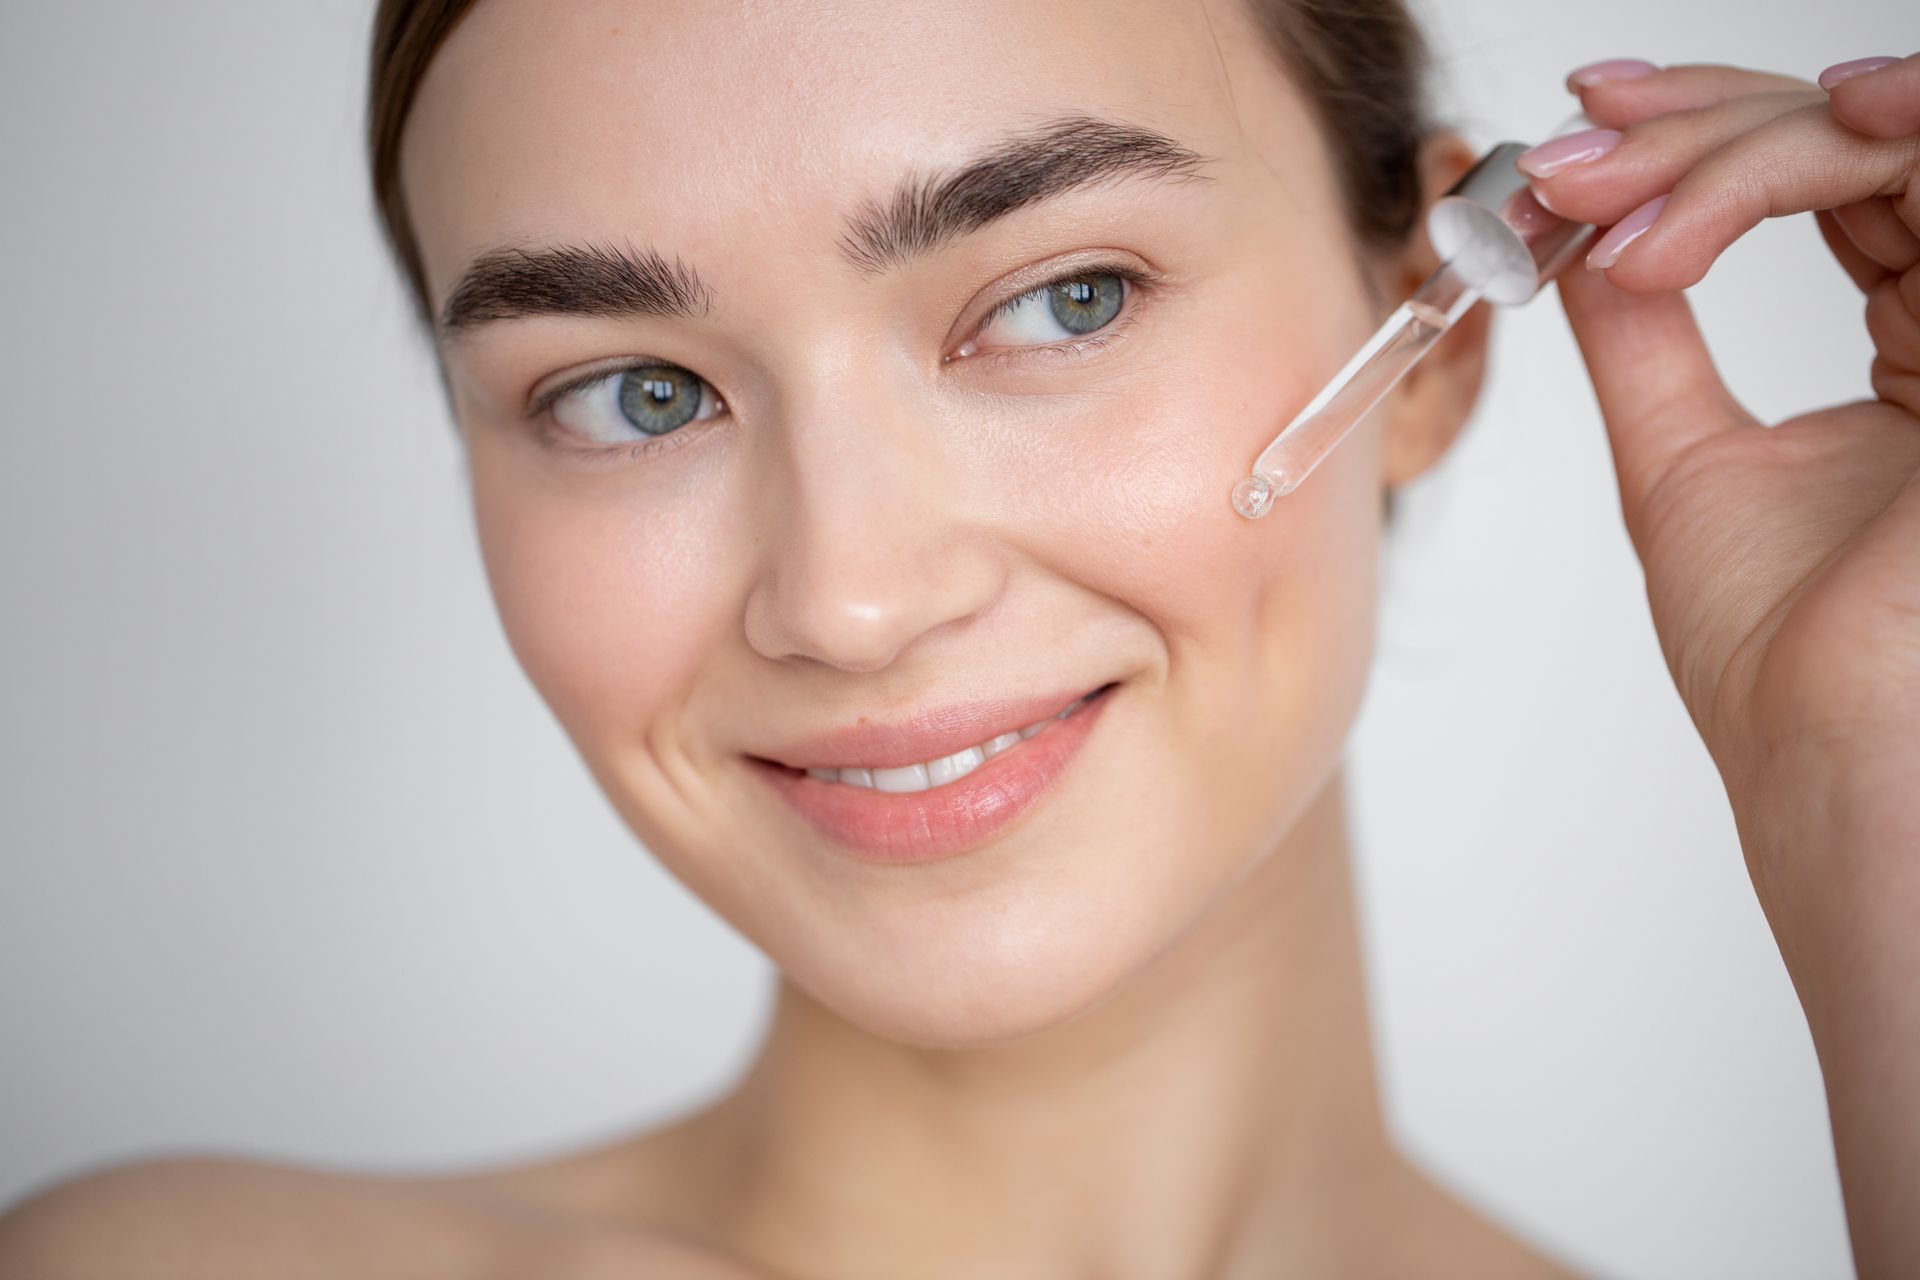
(1253, 497)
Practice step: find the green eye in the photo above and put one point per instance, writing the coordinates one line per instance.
(651, 399)
(1070, 307)
(1083, 305)
(656, 398)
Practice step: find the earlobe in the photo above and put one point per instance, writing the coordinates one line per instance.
(1425, 414)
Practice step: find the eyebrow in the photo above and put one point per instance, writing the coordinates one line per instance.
(924, 213)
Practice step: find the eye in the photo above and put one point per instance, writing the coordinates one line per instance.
(639, 402)
(1067, 308)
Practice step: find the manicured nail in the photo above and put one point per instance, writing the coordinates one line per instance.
(1624, 233)
(1566, 151)
(1612, 69)
(1839, 71)
(1540, 198)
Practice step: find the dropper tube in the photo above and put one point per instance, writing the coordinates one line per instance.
(1375, 369)
(1496, 242)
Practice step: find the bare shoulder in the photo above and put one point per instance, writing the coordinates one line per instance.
(217, 1216)
(212, 1217)
(1445, 1236)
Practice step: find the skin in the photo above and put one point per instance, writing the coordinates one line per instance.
(1129, 1037)
(1783, 565)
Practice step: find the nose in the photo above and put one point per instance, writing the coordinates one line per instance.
(867, 538)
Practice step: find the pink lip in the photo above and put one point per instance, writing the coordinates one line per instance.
(938, 732)
(919, 826)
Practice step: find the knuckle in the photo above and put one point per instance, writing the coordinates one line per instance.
(1908, 283)
(1891, 323)
(1895, 385)
(1907, 207)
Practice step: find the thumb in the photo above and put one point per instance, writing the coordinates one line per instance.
(1658, 390)
(1884, 103)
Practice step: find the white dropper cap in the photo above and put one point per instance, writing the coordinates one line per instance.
(1495, 235)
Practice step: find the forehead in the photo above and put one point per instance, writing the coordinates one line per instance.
(696, 122)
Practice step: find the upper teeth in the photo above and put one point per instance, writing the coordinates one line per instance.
(932, 773)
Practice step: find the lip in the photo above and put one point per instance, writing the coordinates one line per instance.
(937, 732)
(895, 828)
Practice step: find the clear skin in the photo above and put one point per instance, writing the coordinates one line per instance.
(1128, 1039)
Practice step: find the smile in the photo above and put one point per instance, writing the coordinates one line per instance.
(945, 769)
(912, 813)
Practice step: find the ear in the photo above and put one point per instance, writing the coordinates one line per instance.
(1425, 413)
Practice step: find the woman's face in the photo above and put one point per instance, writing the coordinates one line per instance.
(865, 499)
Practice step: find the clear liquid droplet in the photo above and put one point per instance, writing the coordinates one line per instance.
(1253, 497)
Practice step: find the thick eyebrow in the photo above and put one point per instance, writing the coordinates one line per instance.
(1078, 151)
(578, 280)
(924, 213)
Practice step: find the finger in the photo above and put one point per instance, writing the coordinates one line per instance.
(1797, 162)
(1658, 389)
(1896, 385)
(1878, 232)
(1896, 363)
(1645, 159)
(1863, 270)
(1883, 103)
(1893, 326)
(1615, 102)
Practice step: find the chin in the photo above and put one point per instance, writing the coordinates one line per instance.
(994, 968)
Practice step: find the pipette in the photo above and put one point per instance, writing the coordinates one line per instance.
(1495, 242)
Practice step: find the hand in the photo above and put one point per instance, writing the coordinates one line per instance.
(1782, 564)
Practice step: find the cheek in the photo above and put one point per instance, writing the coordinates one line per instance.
(1267, 626)
(606, 607)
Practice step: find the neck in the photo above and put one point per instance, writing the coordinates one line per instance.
(1217, 1115)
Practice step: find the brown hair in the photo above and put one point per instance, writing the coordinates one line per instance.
(1362, 64)
(406, 35)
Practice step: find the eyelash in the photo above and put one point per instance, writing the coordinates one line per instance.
(549, 433)
(1135, 278)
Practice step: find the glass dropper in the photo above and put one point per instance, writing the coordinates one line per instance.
(1375, 369)
(1495, 241)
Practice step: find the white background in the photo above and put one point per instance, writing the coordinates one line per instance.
(296, 863)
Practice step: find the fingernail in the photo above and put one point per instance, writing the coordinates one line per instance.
(1612, 69)
(1566, 151)
(1624, 233)
(1839, 71)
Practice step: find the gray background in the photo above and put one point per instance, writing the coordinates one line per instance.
(297, 864)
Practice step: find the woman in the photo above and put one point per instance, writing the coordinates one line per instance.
(849, 391)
